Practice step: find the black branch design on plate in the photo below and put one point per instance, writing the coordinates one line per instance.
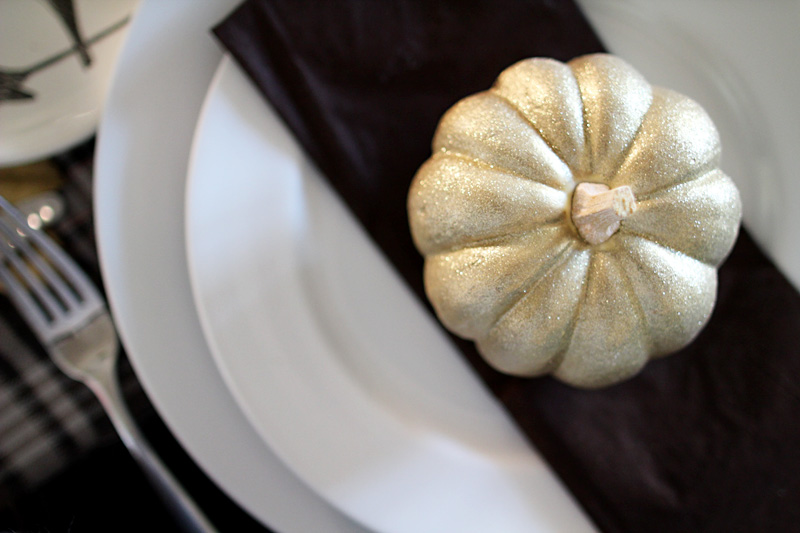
(12, 80)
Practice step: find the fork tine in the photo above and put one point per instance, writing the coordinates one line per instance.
(23, 299)
(26, 279)
(83, 343)
(61, 291)
(19, 233)
(68, 270)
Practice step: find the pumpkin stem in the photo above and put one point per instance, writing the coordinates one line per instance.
(597, 210)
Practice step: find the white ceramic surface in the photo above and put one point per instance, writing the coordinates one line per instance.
(142, 159)
(336, 364)
(142, 153)
(66, 95)
(292, 298)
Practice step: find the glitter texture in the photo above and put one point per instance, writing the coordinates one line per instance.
(504, 265)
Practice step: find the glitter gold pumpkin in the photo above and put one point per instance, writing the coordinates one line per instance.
(572, 218)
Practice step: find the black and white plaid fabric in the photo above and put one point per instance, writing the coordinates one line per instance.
(47, 420)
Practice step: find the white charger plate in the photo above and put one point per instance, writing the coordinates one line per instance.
(143, 148)
(365, 400)
(67, 96)
(139, 208)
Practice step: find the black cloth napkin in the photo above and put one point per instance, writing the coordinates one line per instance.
(705, 440)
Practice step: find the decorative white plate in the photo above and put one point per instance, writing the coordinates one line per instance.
(337, 366)
(140, 212)
(56, 68)
(142, 153)
(335, 363)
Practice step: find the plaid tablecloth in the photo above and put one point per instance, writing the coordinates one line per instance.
(47, 420)
(62, 466)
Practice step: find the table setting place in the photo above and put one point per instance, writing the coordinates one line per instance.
(399, 267)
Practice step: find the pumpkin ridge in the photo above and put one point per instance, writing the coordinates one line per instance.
(666, 247)
(560, 259)
(498, 239)
(581, 303)
(637, 306)
(484, 165)
(699, 218)
(460, 203)
(559, 357)
(587, 149)
(707, 172)
(673, 118)
(513, 106)
(667, 299)
(568, 375)
(627, 150)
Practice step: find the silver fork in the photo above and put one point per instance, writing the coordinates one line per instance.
(69, 317)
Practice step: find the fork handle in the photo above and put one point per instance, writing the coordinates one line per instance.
(106, 387)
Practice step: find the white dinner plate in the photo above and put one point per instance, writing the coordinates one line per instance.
(341, 370)
(142, 153)
(57, 96)
(333, 360)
